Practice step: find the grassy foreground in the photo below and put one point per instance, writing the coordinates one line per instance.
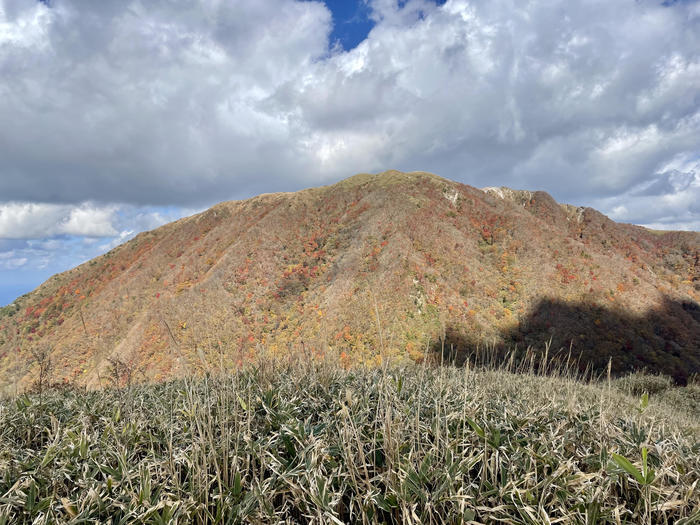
(314, 443)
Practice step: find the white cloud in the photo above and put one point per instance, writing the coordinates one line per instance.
(90, 222)
(16, 263)
(201, 100)
(42, 220)
(119, 239)
(10, 261)
(193, 102)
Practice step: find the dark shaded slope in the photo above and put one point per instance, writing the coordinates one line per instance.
(666, 339)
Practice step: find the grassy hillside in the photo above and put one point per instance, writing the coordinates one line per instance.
(299, 441)
(428, 259)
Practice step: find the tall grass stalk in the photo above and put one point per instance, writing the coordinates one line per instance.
(307, 441)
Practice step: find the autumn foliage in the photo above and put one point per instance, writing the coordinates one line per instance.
(376, 267)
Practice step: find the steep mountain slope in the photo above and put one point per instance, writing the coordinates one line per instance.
(395, 263)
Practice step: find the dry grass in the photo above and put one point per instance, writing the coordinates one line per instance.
(283, 442)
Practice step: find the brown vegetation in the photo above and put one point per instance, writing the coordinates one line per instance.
(377, 264)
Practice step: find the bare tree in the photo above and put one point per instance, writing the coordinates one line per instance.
(122, 371)
(42, 357)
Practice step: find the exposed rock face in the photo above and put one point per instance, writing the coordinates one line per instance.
(393, 262)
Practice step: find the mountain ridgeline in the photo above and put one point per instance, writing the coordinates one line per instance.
(389, 266)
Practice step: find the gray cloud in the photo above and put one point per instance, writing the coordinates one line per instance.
(669, 201)
(112, 101)
(190, 102)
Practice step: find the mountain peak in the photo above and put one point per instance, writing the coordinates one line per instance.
(390, 177)
(378, 266)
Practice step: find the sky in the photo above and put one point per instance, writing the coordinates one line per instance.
(118, 116)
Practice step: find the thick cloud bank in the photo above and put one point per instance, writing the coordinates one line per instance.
(191, 102)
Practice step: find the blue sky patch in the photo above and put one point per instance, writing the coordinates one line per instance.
(351, 22)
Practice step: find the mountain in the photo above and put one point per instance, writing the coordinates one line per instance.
(397, 264)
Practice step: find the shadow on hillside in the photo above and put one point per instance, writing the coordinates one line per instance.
(665, 340)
